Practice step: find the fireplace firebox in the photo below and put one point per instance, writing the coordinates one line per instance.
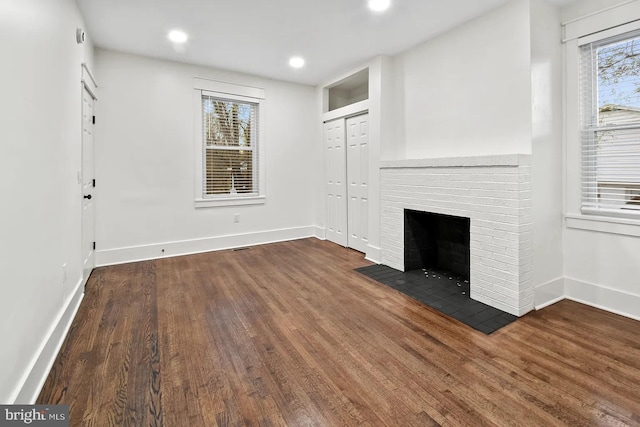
(436, 241)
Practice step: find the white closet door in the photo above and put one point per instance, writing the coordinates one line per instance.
(88, 183)
(336, 191)
(358, 182)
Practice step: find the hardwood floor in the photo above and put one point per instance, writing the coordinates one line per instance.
(289, 334)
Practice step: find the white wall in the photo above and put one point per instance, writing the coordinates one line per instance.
(601, 259)
(546, 143)
(145, 162)
(464, 93)
(493, 86)
(467, 92)
(40, 154)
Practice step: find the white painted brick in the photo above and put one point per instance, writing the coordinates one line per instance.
(526, 276)
(485, 246)
(480, 254)
(527, 302)
(514, 228)
(507, 293)
(498, 201)
(525, 228)
(508, 244)
(505, 275)
(491, 281)
(525, 194)
(505, 259)
(481, 298)
(497, 304)
(529, 291)
(526, 243)
(485, 292)
(505, 299)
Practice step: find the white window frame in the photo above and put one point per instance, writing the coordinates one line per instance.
(591, 28)
(233, 92)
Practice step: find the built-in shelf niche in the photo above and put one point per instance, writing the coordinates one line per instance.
(349, 90)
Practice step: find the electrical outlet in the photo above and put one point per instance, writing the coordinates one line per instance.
(236, 218)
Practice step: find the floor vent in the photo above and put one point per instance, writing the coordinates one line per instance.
(246, 248)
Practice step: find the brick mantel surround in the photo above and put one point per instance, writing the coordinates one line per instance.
(495, 193)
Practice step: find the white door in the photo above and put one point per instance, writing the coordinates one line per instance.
(336, 191)
(88, 185)
(358, 182)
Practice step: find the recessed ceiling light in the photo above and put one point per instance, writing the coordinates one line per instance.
(379, 5)
(177, 36)
(296, 62)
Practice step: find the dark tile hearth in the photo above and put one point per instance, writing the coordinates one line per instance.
(445, 293)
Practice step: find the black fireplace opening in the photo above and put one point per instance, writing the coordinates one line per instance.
(437, 242)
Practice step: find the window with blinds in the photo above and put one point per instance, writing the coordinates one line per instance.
(230, 138)
(610, 126)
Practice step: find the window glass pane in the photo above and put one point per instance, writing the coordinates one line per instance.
(617, 155)
(610, 129)
(230, 147)
(229, 171)
(227, 123)
(619, 83)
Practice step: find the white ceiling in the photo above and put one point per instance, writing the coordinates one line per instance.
(259, 36)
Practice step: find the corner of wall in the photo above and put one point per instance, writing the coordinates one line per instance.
(546, 144)
(549, 293)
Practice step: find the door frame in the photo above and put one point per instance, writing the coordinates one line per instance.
(88, 84)
(343, 118)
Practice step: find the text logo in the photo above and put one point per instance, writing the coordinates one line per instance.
(34, 415)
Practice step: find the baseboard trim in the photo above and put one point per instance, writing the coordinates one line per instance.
(194, 246)
(320, 233)
(374, 254)
(549, 293)
(612, 300)
(46, 355)
(550, 302)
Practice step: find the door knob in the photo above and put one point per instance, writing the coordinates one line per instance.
(87, 196)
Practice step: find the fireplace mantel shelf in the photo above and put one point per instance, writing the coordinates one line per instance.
(467, 161)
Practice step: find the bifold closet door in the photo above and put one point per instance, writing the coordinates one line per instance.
(358, 182)
(336, 175)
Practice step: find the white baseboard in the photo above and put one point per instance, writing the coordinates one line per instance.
(187, 247)
(374, 254)
(615, 301)
(320, 232)
(46, 356)
(549, 293)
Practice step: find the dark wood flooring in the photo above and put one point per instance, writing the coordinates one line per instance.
(288, 334)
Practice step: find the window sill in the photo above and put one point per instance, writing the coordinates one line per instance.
(229, 201)
(623, 226)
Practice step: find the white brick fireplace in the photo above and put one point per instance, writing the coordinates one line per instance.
(495, 193)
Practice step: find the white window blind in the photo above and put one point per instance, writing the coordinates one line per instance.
(610, 125)
(230, 154)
